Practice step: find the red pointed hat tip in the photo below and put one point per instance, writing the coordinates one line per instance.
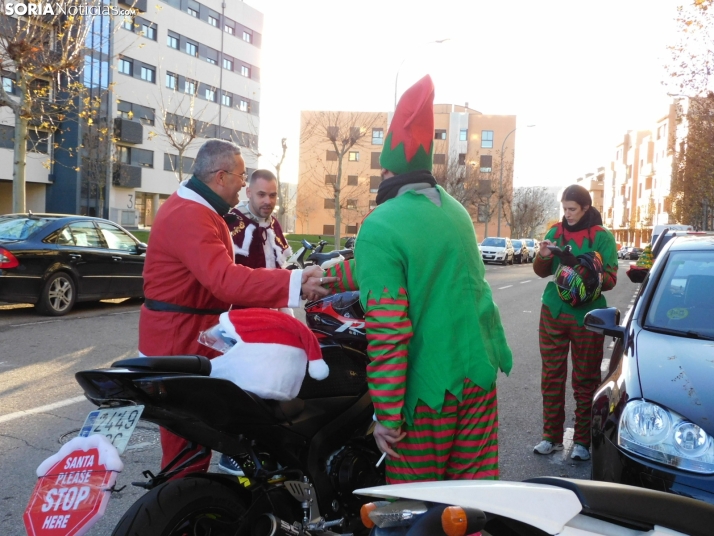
(413, 121)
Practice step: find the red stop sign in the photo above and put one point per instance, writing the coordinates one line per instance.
(73, 492)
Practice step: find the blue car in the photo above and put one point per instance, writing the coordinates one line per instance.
(55, 260)
(653, 417)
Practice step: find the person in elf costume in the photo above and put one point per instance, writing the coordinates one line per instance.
(435, 339)
(190, 276)
(258, 240)
(561, 324)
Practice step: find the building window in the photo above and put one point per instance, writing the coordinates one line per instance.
(142, 157)
(247, 37)
(171, 80)
(482, 213)
(192, 12)
(191, 49)
(128, 23)
(462, 159)
(227, 99)
(329, 204)
(213, 21)
(210, 94)
(351, 204)
(211, 61)
(229, 29)
(243, 106)
(351, 229)
(439, 134)
(147, 118)
(148, 74)
(372, 203)
(487, 139)
(486, 163)
(330, 179)
(172, 41)
(377, 136)
(463, 134)
(125, 66)
(123, 154)
(439, 159)
(374, 182)
(189, 86)
(331, 156)
(245, 71)
(352, 180)
(328, 230)
(228, 64)
(374, 161)
(149, 31)
(38, 142)
(353, 156)
(8, 84)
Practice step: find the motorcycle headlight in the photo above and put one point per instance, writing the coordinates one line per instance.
(666, 437)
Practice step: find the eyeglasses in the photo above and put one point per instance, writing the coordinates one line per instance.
(244, 174)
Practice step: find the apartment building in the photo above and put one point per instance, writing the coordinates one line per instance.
(175, 74)
(467, 145)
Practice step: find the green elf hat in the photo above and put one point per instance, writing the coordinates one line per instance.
(410, 140)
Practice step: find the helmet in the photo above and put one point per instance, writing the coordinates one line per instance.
(581, 283)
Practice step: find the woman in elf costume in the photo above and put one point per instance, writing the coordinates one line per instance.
(435, 339)
(561, 324)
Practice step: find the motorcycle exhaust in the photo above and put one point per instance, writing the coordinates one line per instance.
(269, 525)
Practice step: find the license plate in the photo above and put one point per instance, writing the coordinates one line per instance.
(116, 424)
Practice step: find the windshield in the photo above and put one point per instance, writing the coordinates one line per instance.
(496, 242)
(684, 299)
(516, 243)
(530, 243)
(20, 228)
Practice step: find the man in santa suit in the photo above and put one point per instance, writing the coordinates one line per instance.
(258, 240)
(190, 276)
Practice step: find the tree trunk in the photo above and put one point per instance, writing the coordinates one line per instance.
(338, 209)
(19, 198)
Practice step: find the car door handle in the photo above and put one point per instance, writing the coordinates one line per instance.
(75, 256)
(116, 258)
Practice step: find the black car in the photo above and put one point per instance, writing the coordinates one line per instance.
(653, 417)
(54, 261)
(520, 251)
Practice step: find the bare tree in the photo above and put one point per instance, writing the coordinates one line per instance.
(530, 209)
(342, 132)
(282, 197)
(42, 53)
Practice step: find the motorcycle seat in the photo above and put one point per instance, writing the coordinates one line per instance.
(282, 410)
(631, 505)
(319, 258)
(189, 364)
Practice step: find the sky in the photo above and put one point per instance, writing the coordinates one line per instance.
(582, 72)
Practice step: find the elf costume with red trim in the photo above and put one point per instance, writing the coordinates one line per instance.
(435, 338)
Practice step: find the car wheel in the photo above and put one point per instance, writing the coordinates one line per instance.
(511, 261)
(505, 260)
(58, 295)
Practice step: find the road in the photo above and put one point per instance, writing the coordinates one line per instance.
(41, 405)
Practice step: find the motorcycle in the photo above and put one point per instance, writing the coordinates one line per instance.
(536, 507)
(301, 458)
(316, 257)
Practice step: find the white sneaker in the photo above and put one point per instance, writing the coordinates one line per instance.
(546, 447)
(580, 453)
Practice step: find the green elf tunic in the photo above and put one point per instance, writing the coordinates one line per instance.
(430, 317)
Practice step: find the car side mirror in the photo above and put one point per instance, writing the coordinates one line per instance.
(605, 322)
(141, 248)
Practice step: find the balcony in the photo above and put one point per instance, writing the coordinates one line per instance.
(128, 131)
(139, 5)
(126, 176)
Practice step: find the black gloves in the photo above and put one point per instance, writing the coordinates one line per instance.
(568, 259)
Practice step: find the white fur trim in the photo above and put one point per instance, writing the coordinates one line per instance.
(284, 256)
(228, 327)
(273, 371)
(318, 369)
(108, 454)
(247, 240)
(190, 195)
(295, 288)
(268, 248)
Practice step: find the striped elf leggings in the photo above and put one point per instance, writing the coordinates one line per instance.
(556, 337)
(458, 443)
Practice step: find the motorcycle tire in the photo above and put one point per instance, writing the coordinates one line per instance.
(192, 505)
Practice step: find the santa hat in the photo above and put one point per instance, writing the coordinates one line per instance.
(409, 144)
(271, 353)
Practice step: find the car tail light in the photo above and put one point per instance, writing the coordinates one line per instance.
(7, 259)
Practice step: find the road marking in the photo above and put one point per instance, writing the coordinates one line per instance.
(507, 286)
(34, 323)
(41, 409)
(526, 281)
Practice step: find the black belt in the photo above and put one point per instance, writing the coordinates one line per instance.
(166, 307)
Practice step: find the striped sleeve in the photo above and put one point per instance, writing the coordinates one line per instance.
(388, 333)
(543, 266)
(345, 272)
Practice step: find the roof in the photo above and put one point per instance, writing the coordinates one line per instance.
(693, 241)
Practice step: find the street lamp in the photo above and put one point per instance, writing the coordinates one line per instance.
(500, 180)
(396, 78)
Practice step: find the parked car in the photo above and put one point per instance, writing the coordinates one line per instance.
(496, 249)
(520, 251)
(55, 260)
(532, 246)
(652, 417)
(624, 252)
(633, 254)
